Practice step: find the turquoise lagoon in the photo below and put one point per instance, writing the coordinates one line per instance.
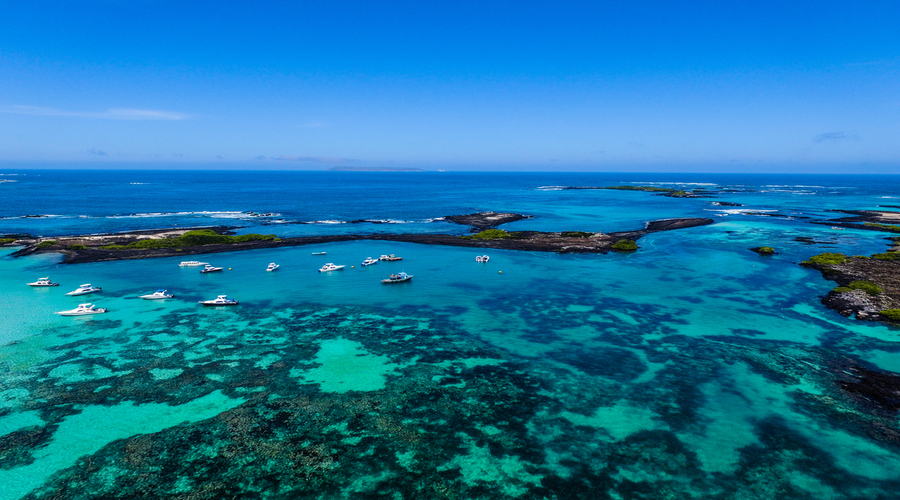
(692, 368)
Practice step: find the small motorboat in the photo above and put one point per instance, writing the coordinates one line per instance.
(837, 228)
(84, 290)
(369, 261)
(390, 258)
(272, 266)
(83, 310)
(159, 294)
(330, 267)
(318, 253)
(221, 300)
(482, 258)
(398, 278)
(193, 263)
(210, 269)
(43, 282)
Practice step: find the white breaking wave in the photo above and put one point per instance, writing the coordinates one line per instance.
(213, 214)
(677, 183)
(738, 211)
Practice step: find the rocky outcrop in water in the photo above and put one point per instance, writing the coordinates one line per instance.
(485, 220)
(869, 287)
(82, 249)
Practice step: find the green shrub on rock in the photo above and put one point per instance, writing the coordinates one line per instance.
(4, 241)
(77, 247)
(891, 314)
(826, 259)
(489, 234)
(884, 227)
(866, 286)
(45, 244)
(625, 246)
(887, 256)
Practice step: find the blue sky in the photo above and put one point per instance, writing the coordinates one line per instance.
(690, 86)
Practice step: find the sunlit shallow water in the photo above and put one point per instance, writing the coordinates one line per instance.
(692, 368)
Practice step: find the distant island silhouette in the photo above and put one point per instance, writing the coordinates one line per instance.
(373, 169)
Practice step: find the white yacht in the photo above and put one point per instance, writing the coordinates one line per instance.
(318, 253)
(193, 263)
(398, 278)
(390, 258)
(221, 300)
(330, 267)
(369, 261)
(43, 282)
(210, 269)
(83, 310)
(272, 266)
(482, 258)
(84, 290)
(159, 294)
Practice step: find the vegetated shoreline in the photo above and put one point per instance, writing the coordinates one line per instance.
(85, 249)
(867, 220)
(868, 286)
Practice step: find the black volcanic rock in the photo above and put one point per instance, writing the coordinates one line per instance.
(486, 220)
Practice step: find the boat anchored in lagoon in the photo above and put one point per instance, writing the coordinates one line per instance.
(193, 263)
(43, 282)
(83, 310)
(369, 261)
(272, 266)
(210, 269)
(390, 258)
(482, 258)
(330, 267)
(221, 300)
(84, 290)
(159, 294)
(398, 278)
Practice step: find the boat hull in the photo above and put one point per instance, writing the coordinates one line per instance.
(43, 284)
(157, 297)
(75, 294)
(71, 313)
(211, 303)
(389, 281)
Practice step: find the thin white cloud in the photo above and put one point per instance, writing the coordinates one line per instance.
(110, 114)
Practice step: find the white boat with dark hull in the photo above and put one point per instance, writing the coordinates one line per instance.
(272, 266)
(193, 263)
(210, 269)
(83, 310)
(318, 253)
(330, 267)
(221, 300)
(158, 295)
(398, 278)
(482, 258)
(84, 290)
(390, 258)
(43, 282)
(369, 261)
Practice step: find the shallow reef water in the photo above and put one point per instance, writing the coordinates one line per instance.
(359, 402)
(692, 368)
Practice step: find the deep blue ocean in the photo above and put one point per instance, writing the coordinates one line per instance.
(691, 368)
